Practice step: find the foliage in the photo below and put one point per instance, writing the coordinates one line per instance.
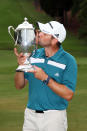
(80, 8)
(83, 19)
(56, 7)
(76, 6)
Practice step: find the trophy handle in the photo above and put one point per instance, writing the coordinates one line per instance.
(9, 31)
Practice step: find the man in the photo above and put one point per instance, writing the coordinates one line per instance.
(52, 82)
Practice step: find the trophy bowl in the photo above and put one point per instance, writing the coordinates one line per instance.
(24, 38)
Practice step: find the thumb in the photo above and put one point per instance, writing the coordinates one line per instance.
(16, 52)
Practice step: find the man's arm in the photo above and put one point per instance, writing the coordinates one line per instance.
(59, 89)
(20, 82)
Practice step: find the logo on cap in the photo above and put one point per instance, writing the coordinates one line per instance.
(57, 35)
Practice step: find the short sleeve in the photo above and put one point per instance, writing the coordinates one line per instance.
(70, 75)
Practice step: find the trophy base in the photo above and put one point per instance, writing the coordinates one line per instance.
(24, 68)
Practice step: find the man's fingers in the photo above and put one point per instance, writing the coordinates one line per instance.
(36, 67)
(16, 52)
(32, 71)
(21, 54)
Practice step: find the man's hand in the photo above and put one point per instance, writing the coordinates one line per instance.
(20, 57)
(39, 73)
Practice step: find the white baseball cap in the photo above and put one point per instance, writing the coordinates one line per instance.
(55, 29)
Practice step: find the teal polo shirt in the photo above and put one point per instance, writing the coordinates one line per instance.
(62, 68)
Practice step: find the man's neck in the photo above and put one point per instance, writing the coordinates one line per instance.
(50, 51)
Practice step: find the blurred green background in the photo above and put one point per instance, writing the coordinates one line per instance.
(12, 101)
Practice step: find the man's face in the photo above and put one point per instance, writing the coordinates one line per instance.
(44, 39)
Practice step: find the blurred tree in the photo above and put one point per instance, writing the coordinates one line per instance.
(61, 8)
(37, 4)
(56, 8)
(76, 6)
(83, 19)
(80, 8)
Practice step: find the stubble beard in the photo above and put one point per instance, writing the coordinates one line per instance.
(43, 44)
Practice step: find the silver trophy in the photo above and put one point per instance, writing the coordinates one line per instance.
(24, 38)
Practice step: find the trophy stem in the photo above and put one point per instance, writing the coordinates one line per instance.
(27, 61)
(27, 65)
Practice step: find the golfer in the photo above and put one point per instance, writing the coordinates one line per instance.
(52, 83)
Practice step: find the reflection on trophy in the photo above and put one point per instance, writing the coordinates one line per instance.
(24, 38)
